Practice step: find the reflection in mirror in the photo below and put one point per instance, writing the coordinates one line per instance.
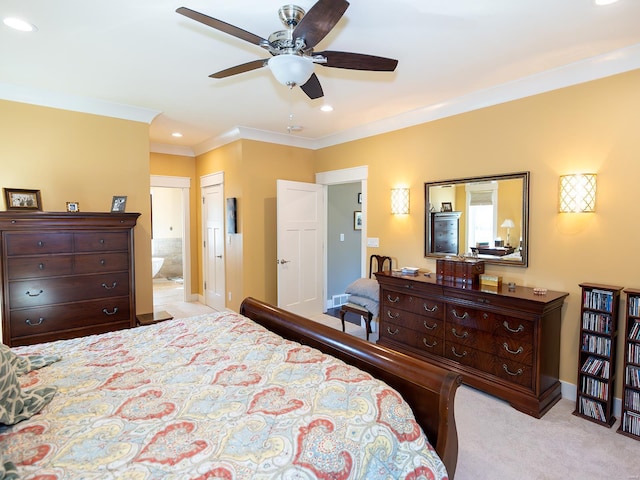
(482, 217)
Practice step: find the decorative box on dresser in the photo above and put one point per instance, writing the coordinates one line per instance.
(506, 343)
(65, 275)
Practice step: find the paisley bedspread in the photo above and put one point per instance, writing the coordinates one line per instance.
(212, 397)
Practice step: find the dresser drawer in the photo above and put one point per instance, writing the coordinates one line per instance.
(101, 262)
(503, 347)
(424, 342)
(36, 321)
(418, 323)
(48, 291)
(101, 241)
(37, 243)
(33, 267)
(509, 370)
(411, 303)
(490, 322)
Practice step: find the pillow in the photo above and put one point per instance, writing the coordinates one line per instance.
(7, 470)
(25, 364)
(365, 287)
(17, 405)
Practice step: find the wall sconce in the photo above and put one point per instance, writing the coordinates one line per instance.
(508, 224)
(577, 193)
(399, 201)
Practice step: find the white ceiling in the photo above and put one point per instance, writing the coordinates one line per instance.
(139, 59)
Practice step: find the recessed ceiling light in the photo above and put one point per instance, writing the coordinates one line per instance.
(605, 2)
(326, 108)
(176, 134)
(19, 24)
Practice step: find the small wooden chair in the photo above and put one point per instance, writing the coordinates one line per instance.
(380, 261)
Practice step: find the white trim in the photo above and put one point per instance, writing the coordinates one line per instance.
(76, 103)
(171, 149)
(211, 179)
(171, 182)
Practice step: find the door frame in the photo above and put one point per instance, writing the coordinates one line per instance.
(183, 183)
(336, 177)
(209, 180)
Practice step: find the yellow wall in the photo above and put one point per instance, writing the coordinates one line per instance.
(183, 166)
(250, 172)
(591, 127)
(77, 157)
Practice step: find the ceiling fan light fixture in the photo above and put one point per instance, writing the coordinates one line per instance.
(290, 69)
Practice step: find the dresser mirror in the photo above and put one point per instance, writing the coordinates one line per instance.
(481, 217)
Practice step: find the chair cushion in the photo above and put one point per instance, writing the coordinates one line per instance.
(366, 303)
(365, 287)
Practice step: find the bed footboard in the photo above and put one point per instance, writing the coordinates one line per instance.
(428, 389)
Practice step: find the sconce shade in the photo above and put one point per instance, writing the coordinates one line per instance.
(399, 201)
(577, 193)
(291, 69)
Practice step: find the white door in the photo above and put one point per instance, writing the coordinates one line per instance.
(300, 225)
(213, 213)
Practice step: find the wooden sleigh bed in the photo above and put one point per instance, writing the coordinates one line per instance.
(217, 396)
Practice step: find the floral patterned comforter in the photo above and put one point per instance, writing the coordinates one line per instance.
(215, 396)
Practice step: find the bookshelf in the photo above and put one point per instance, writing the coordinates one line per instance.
(630, 421)
(597, 355)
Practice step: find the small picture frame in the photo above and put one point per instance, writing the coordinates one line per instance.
(357, 220)
(118, 204)
(446, 207)
(21, 199)
(73, 207)
(360, 198)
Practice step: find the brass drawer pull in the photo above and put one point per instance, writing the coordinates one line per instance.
(40, 243)
(41, 266)
(459, 335)
(433, 309)
(393, 300)
(506, 369)
(459, 355)
(390, 315)
(455, 314)
(519, 329)
(516, 352)
(112, 312)
(424, 340)
(28, 292)
(395, 332)
(113, 285)
(102, 241)
(103, 261)
(429, 327)
(28, 322)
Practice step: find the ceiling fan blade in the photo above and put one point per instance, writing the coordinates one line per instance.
(357, 61)
(312, 88)
(222, 26)
(319, 21)
(245, 67)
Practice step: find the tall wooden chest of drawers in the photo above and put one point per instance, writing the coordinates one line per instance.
(504, 343)
(65, 275)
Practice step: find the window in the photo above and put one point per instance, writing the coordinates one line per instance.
(482, 205)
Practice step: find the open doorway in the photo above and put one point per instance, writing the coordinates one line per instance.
(170, 241)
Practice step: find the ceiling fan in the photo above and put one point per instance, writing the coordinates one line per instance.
(293, 58)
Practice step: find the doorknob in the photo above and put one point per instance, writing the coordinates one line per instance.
(218, 256)
(283, 261)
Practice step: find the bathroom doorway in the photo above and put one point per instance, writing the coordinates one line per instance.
(169, 241)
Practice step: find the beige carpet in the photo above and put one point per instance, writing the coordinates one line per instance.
(497, 442)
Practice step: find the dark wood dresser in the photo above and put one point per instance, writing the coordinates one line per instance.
(506, 343)
(65, 275)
